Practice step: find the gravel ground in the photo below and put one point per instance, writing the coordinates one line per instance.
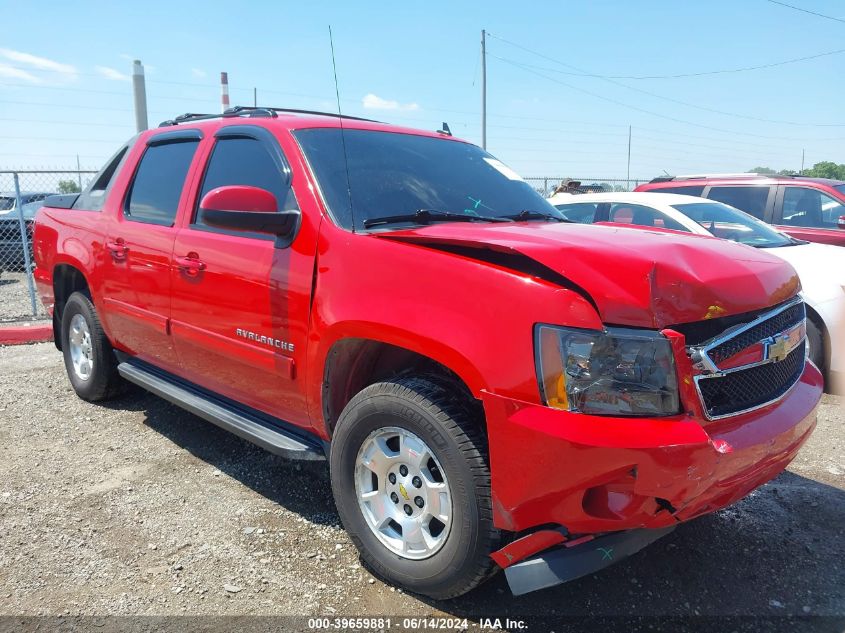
(138, 508)
(15, 304)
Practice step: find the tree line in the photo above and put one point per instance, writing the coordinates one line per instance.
(824, 169)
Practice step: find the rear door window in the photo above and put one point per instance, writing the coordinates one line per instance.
(810, 208)
(751, 199)
(157, 187)
(94, 196)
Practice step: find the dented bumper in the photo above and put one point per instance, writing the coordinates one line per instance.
(593, 475)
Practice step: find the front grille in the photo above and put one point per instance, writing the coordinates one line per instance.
(778, 323)
(755, 386)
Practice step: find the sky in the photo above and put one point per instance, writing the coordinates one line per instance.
(557, 105)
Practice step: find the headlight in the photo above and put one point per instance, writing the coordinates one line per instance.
(612, 372)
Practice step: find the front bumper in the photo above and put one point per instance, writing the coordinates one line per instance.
(565, 564)
(592, 474)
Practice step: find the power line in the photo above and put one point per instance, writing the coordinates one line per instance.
(546, 130)
(446, 110)
(64, 88)
(651, 94)
(56, 138)
(64, 105)
(680, 102)
(467, 124)
(820, 15)
(74, 123)
(682, 75)
(636, 108)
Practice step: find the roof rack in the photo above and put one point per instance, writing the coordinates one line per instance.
(749, 174)
(254, 112)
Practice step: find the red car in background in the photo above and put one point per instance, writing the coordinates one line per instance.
(811, 209)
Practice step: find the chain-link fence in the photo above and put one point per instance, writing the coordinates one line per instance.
(22, 193)
(546, 185)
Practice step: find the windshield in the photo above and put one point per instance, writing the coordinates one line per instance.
(6, 203)
(732, 224)
(395, 174)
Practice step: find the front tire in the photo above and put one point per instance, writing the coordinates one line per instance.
(411, 482)
(815, 341)
(89, 358)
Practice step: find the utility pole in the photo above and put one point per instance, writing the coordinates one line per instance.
(629, 155)
(483, 89)
(224, 91)
(801, 173)
(78, 172)
(139, 89)
(255, 97)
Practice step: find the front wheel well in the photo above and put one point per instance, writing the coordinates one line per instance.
(813, 316)
(66, 280)
(354, 364)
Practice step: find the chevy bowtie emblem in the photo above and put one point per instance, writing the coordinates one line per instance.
(404, 492)
(778, 349)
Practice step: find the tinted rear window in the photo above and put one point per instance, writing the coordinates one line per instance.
(749, 199)
(94, 196)
(154, 196)
(692, 190)
(7, 203)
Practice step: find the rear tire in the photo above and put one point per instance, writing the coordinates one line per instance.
(89, 358)
(390, 427)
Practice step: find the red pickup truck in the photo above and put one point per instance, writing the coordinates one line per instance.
(491, 385)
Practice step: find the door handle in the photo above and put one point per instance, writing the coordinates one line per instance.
(191, 264)
(117, 248)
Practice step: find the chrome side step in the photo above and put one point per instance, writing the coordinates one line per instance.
(252, 428)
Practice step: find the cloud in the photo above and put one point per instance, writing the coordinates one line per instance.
(38, 63)
(111, 73)
(10, 72)
(198, 73)
(374, 102)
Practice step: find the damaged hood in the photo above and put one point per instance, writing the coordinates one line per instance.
(636, 277)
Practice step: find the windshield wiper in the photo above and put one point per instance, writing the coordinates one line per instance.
(425, 216)
(535, 215)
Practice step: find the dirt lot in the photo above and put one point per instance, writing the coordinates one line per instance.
(15, 304)
(140, 508)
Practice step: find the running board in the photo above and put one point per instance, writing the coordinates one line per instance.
(252, 428)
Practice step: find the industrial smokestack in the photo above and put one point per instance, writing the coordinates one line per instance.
(224, 88)
(139, 90)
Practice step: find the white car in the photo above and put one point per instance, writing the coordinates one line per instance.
(821, 267)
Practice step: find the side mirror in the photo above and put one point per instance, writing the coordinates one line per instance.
(841, 222)
(250, 210)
